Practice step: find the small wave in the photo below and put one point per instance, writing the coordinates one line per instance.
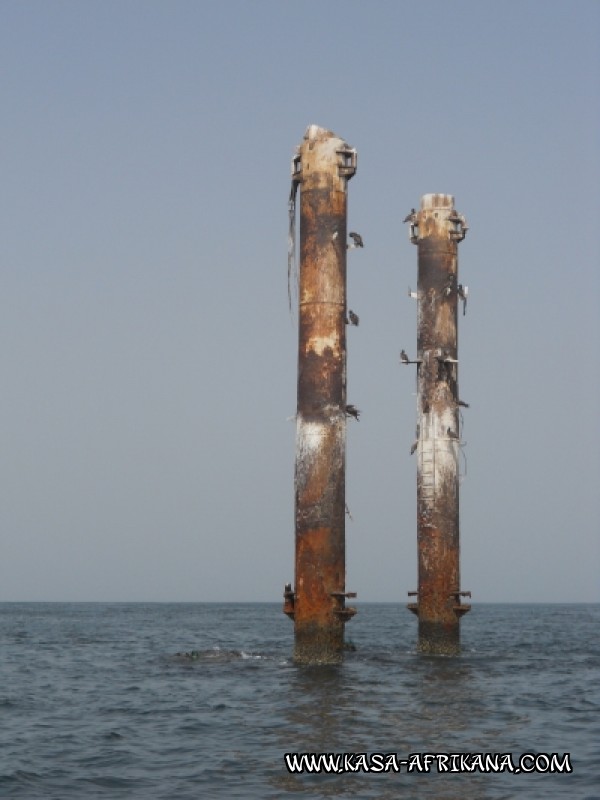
(216, 655)
(7, 702)
(21, 777)
(111, 735)
(251, 656)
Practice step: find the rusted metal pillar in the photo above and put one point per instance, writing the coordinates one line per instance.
(437, 229)
(322, 167)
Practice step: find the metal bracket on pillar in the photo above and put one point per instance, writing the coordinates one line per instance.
(347, 161)
(413, 230)
(459, 227)
(344, 612)
(289, 598)
(297, 168)
(414, 607)
(460, 608)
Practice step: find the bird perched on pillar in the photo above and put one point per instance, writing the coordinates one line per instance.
(449, 285)
(404, 358)
(410, 216)
(354, 319)
(463, 292)
(357, 239)
(352, 411)
(463, 404)
(416, 441)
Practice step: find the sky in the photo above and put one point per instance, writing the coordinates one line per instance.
(148, 357)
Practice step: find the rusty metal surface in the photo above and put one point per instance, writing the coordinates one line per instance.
(436, 229)
(317, 604)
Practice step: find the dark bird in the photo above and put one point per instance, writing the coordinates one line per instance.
(356, 238)
(463, 404)
(450, 284)
(463, 292)
(404, 358)
(410, 216)
(352, 411)
(414, 447)
(451, 434)
(354, 319)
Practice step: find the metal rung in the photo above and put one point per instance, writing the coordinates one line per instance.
(346, 613)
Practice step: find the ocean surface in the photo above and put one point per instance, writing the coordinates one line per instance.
(96, 703)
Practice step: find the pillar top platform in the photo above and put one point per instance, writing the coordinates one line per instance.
(437, 201)
(322, 151)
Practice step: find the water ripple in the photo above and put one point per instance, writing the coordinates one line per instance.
(189, 701)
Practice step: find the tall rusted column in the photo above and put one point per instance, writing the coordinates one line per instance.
(322, 167)
(437, 229)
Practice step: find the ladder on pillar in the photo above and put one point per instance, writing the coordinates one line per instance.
(428, 469)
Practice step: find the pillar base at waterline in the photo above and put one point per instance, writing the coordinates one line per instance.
(319, 644)
(439, 638)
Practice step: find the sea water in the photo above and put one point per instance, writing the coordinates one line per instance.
(194, 701)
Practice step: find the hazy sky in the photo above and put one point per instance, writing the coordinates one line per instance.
(148, 358)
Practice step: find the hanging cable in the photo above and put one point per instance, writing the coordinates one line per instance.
(292, 266)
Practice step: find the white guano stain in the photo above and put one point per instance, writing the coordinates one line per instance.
(316, 441)
(318, 344)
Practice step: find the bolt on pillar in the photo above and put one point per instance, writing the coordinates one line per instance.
(437, 229)
(321, 168)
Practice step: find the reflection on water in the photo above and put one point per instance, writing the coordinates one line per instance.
(427, 705)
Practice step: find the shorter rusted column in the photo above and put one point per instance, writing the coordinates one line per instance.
(436, 229)
(322, 168)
